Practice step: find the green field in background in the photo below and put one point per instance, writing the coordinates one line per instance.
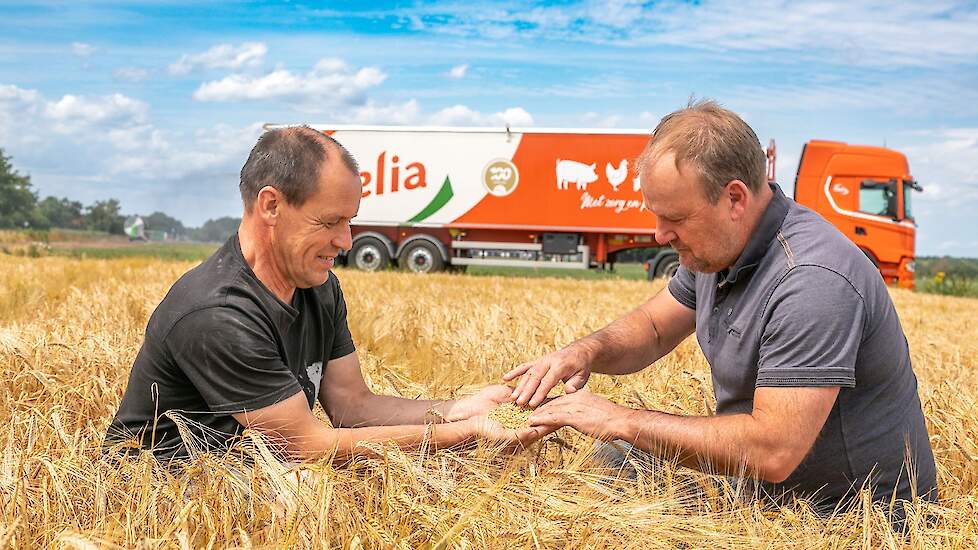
(165, 251)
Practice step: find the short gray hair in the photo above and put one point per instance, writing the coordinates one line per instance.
(290, 160)
(715, 142)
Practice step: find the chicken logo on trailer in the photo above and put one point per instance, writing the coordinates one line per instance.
(616, 175)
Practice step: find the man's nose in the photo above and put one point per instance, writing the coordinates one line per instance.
(344, 241)
(664, 236)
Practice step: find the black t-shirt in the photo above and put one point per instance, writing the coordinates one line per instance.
(222, 343)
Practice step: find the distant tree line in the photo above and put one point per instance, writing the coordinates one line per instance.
(21, 208)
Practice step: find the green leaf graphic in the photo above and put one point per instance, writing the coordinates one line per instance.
(444, 195)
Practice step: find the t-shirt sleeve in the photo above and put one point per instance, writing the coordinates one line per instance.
(342, 339)
(683, 287)
(814, 328)
(231, 360)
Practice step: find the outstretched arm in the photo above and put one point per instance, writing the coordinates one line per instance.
(297, 434)
(770, 442)
(350, 403)
(627, 345)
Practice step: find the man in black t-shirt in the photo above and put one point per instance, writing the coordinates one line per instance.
(256, 334)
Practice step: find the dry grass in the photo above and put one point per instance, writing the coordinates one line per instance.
(69, 330)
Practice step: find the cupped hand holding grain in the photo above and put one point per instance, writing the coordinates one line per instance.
(491, 430)
(480, 403)
(568, 365)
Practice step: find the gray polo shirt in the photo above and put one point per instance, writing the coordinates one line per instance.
(804, 307)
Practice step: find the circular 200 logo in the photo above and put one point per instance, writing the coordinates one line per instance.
(500, 177)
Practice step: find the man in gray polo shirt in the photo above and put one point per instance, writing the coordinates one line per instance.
(811, 370)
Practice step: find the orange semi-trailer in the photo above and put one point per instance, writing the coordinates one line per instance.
(435, 197)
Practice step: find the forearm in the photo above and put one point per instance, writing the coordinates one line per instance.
(729, 445)
(385, 410)
(343, 443)
(627, 345)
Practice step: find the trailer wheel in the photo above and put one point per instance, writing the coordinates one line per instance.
(666, 265)
(369, 254)
(421, 257)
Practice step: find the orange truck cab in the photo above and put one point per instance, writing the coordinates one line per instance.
(866, 193)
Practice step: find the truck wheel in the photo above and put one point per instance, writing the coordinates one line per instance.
(667, 266)
(421, 257)
(369, 254)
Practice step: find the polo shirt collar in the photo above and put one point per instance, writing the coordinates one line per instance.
(760, 240)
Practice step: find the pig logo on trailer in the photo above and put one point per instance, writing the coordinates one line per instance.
(616, 175)
(578, 173)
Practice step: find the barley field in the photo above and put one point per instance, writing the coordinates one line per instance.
(70, 328)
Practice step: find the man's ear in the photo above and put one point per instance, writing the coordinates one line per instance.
(739, 196)
(268, 204)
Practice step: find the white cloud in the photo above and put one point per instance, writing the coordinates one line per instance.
(132, 74)
(82, 49)
(617, 14)
(954, 246)
(12, 97)
(408, 112)
(461, 115)
(601, 121)
(16, 104)
(873, 32)
(330, 82)
(222, 56)
(458, 71)
(855, 32)
(80, 113)
(648, 117)
(146, 150)
(945, 162)
(104, 136)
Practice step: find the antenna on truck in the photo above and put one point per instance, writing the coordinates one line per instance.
(772, 157)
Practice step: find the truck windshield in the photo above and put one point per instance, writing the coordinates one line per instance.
(878, 197)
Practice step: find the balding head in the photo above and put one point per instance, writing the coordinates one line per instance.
(716, 143)
(290, 160)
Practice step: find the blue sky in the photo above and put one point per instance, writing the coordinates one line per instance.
(158, 103)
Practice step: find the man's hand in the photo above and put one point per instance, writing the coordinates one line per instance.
(479, 404)
(585, 412)
(568, 365)
(492, 431)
